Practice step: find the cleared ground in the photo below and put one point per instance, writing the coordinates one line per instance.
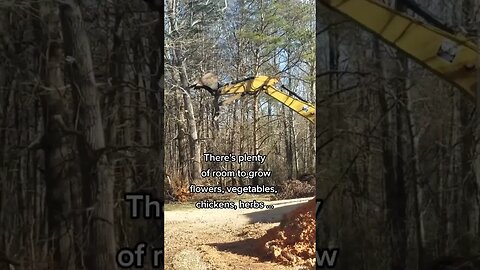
(220, 238)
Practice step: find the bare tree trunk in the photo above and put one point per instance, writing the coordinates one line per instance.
(394, 176)
(311, 128)
(414, 135)
(156, 105)
(256, 165)
(293, 136)
(62, 170)
(178, 62)
(475, 214)
(194, 141)
(468, 202)
(97, 171)
(288, 144)
(233, 138)
(182, 140)
(192, 127)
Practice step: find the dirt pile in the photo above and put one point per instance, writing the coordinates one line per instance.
(293, 242)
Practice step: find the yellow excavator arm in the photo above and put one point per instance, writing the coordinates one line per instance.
(268, 85)
(451, 56)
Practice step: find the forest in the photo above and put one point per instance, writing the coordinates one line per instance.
(397, 163)
(235, 40)
(81, 120)
(95, 103)
(212, 43)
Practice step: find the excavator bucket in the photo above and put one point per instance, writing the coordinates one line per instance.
(209, 81)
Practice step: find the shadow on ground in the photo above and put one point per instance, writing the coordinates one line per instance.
(247, 247)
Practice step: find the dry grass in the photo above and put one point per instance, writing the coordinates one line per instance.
(292, 189)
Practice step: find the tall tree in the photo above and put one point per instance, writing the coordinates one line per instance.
(96, 167)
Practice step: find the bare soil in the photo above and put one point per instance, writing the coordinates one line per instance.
(221, 238)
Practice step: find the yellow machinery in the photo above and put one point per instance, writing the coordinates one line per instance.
(268, 85)
(449, 55)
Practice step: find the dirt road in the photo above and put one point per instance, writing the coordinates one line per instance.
(219, 238)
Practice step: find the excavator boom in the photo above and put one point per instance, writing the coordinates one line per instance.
(452, 57)
(268, 85)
